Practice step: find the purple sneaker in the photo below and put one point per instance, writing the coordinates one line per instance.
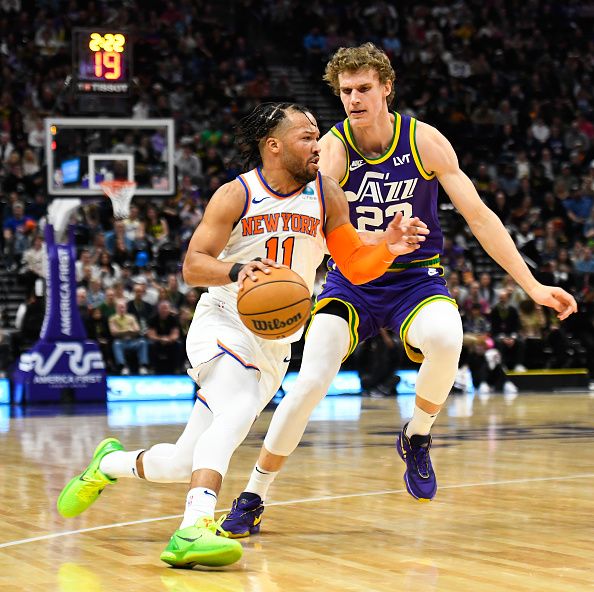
(419, 476)
(245, 516)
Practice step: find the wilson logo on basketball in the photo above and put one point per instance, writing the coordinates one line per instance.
(275, 305)
(274, 324)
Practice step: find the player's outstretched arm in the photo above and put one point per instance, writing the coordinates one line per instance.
(438, 155)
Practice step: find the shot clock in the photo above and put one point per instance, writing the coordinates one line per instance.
(102, 61)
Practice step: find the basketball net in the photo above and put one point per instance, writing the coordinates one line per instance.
(120, 193)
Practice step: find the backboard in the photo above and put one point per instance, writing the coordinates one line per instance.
(83, 152)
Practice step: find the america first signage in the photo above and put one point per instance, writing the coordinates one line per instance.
(63, 358)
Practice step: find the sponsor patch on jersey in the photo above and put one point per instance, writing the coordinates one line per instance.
(356, 164)
(432, 271)
(309, 194)
(399, 160)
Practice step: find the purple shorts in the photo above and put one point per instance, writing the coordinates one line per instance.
(391, 302)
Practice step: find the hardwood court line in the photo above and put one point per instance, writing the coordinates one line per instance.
(56, 535)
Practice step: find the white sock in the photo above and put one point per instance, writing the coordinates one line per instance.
(421, 422)
(199, 502)
(260, 481)
(120, 463)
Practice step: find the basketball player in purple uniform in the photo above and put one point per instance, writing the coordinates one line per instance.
(387, 162)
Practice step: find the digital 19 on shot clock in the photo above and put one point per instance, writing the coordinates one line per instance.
(102, 61)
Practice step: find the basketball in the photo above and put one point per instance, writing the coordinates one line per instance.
(275, 306)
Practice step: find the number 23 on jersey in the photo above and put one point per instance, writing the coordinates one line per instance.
(374, 218)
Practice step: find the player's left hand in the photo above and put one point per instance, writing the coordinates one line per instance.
(556, 298)
(405, 235)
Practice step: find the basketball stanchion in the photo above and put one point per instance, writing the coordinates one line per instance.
(59, 212)
(63, 365)
(120, 193)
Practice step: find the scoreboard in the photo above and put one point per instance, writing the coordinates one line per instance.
(102, 61)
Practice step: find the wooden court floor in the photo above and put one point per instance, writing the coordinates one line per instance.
(514, 512)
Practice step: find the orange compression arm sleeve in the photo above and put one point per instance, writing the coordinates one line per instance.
(359, 263)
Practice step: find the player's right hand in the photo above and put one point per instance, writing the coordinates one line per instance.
(405, 235)
(250, 268)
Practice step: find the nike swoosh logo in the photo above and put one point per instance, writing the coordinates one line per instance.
(356, 164)
(258, 520)
(287, 360)
(257, 201)
(189, 540)
(209, 493)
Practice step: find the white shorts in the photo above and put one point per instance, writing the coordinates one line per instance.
(216, 330)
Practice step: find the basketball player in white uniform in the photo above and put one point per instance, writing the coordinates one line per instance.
(281, 212)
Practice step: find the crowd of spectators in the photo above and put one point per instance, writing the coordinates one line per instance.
(508, 82)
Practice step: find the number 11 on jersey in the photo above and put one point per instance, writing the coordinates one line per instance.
(287, 247)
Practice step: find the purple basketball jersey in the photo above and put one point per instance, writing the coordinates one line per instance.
(377, 189)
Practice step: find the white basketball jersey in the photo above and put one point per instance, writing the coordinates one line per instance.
(286, 228)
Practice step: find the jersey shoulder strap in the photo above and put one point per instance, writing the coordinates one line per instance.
(338, 131)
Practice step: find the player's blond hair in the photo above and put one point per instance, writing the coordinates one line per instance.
(351, 59)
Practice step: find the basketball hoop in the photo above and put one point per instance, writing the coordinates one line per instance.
(120, 193)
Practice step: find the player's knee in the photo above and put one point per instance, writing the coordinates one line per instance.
(172, 468)
(445, 340)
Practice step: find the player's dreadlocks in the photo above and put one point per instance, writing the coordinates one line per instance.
(258, 126)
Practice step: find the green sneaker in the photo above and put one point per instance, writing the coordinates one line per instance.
(200, 545)
(85, 488)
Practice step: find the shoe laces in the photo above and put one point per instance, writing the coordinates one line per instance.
(214, 525)
(422, 458)
(236, 510)
(90, 490)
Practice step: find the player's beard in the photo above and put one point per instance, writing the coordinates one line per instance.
(300, 172)
(305, 176)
